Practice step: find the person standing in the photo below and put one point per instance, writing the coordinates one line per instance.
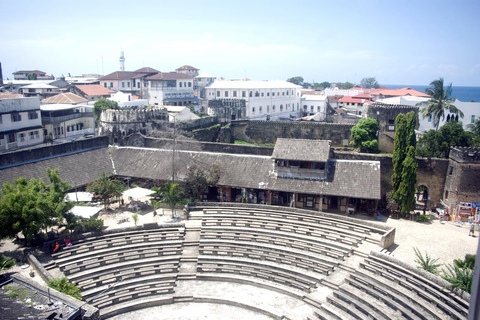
(472, 229)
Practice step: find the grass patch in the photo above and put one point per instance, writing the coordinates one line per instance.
(243, 142)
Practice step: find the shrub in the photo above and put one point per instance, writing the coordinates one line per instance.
(426, 263)
(62, 285)
(423, 218)
(468, 262)
(6, 262)
(92, 224)
(461, 278)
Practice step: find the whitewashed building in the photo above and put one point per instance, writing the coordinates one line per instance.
(314, 105)
(61, 121)
(20, 123)
(264, 100)
(471, 111)
(170, 88)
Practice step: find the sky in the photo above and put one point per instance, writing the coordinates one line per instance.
(397, 42)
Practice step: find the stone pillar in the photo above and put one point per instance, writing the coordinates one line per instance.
(320, 204)
(348, 204)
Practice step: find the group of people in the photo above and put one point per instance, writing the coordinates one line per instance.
(54, 248)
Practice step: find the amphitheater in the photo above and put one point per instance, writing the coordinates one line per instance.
(241, 261)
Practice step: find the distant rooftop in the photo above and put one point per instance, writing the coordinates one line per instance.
(94, 90)
(64, 98)
(240, 84)
(301, 149)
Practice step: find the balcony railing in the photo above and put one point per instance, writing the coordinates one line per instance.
(48, 119)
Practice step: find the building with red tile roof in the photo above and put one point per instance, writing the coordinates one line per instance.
(92, 92)
(64, 98)
(186, 69)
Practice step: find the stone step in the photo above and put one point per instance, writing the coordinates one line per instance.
(183, 299)
(187, 276)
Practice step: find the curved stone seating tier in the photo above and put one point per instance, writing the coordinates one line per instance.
(311, 217)
(266, 252)
(126, 253)
(327, 248)
(264, 269)
(307, 229)
(438, 296)
(115, 240)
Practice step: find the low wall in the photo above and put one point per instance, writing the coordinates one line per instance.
(89, 311)
(31, 155)
(192, 145)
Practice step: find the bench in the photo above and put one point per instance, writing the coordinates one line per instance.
(166, 278)
(264, 270)
(432, 294)
(116, 257)
(116, 242)
(164, 263)
(310, 216)
(133, 292)
(284, 225)
(267, 252)
(304, 243)
(357, 298)
(396, 302)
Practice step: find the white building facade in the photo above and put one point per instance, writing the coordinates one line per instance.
(20, 123)
(314, 105)
(264, 100)
(170, 88)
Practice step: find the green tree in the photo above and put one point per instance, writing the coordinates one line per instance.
(6, 262)
(345, 85)
(364, 135)
(369, 83)
(107, 188)
(404, 138)
(440, 101)
(325, 84)
(197, 181)
(103, 104)
(29, 206)
(437, 143)
(405, 195)
(172, 196)
(475, 129)
(296, 80)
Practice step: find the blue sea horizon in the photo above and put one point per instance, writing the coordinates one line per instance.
(462, 93)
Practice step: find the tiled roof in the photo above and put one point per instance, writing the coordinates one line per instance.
(358, 179)
(187, 67)
(146, 70)
(67, 98)
(399, 92)
(312, 93)
(334, 98)
(119, 75)
(8, 95)
(363, 96)
(77, 169)
(94, 90)
(353, 100)
(301, 149)
(170, 76)
(38, 72)
(243, 84)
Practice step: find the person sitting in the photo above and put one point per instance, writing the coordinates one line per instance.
(68, 242)
(56, 248)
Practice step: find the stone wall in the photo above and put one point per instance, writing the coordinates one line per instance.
(117, 124)
(228, 109)
(203, 122)
(430, 173)
(161, 143)
(462, 181)
(268, 131)
(31, 155)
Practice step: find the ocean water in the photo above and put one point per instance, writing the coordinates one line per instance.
(464, 94)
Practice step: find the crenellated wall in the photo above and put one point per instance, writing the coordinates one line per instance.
(268, 131)
(117, 124)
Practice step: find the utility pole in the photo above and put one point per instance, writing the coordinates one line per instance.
(174, 145)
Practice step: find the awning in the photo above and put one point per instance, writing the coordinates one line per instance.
(137, 193)
(85, 212)
(79, 197)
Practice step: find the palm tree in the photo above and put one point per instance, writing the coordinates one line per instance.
(439, 102)
(172, 196)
